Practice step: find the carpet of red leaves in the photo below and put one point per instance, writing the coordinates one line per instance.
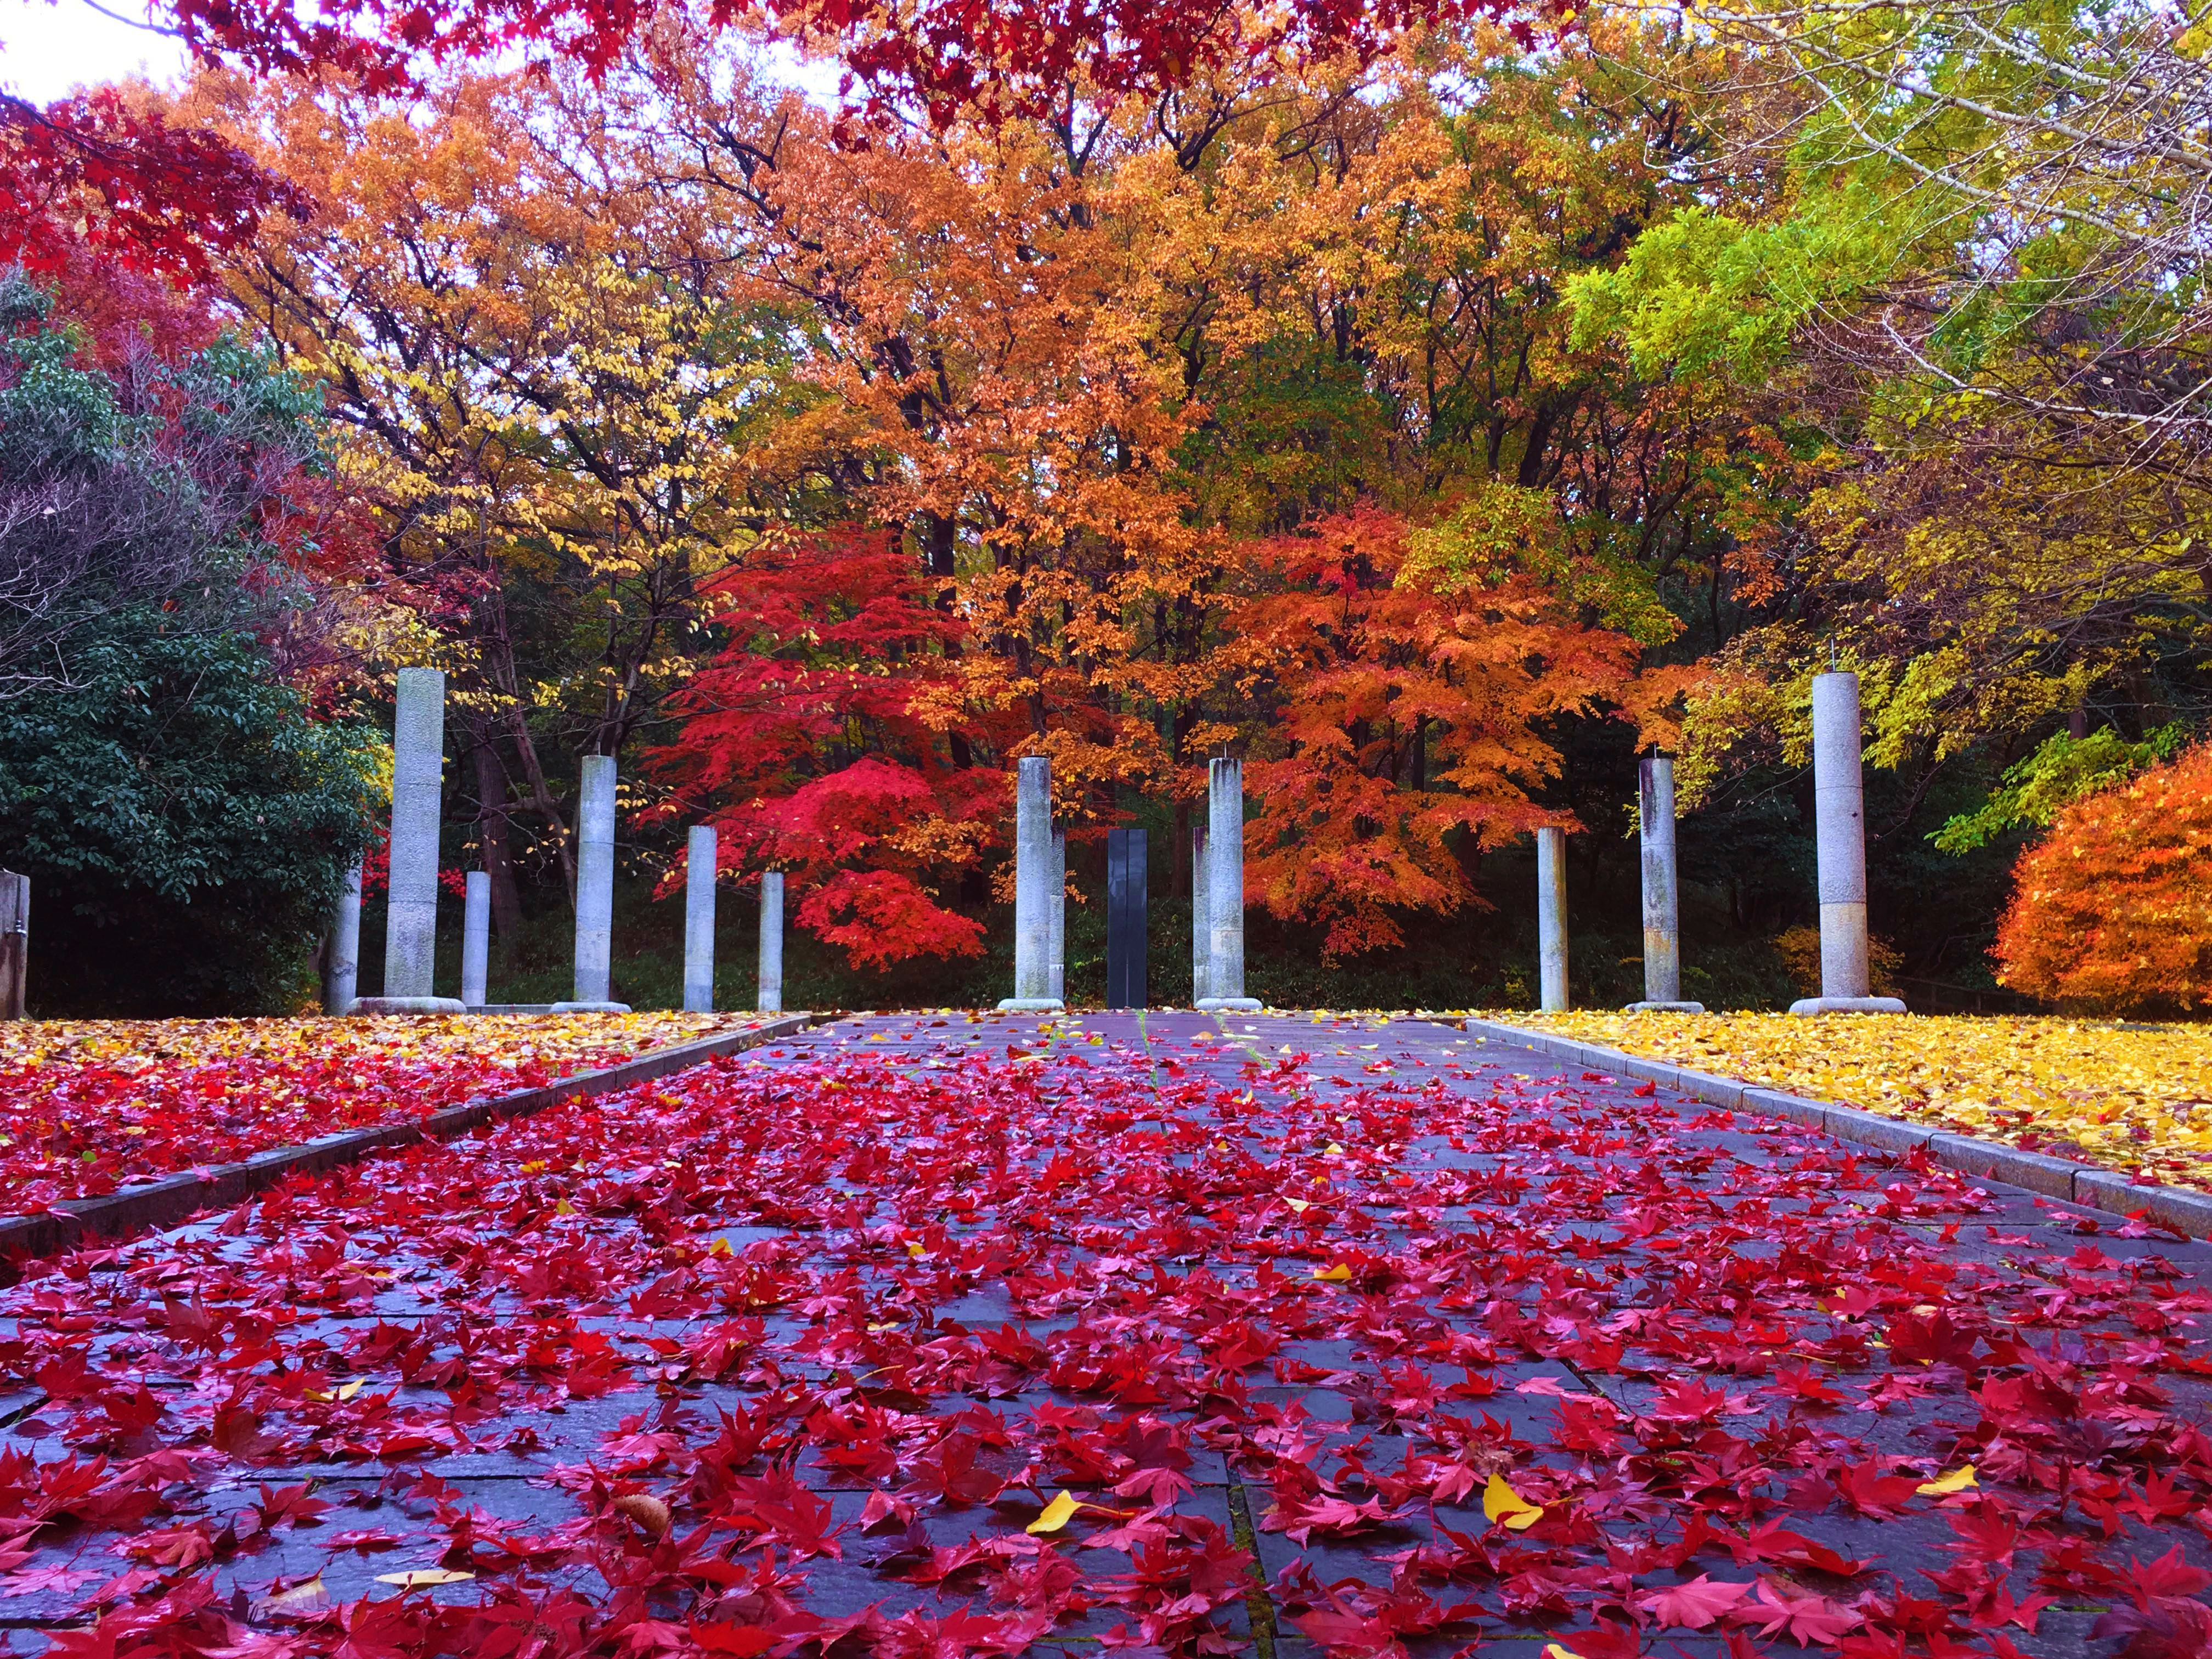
(92, 1105)
(1341, 1341)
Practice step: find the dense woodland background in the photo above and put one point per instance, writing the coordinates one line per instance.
(1439, 410)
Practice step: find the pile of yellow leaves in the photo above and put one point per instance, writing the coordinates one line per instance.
(2131, 1098)
(513, 1041)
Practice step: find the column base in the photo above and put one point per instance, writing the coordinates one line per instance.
(1806, 1007)
(1031, 1005)
(1664, 1008)
(769, 1006)
(370, 1006)
(591, 1008)
(1233, 1004)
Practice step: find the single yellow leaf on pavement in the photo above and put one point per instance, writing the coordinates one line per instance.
(1553, 1651)
(422, 1577)
(1501, 1503)
(1057, 1514)
(1298, 1204)
(1335, 1275)
(1943, 1486)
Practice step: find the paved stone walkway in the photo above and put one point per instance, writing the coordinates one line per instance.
(791, 1351)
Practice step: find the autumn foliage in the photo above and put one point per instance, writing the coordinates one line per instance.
(2114, 908)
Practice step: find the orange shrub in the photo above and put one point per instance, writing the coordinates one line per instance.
(2114, 906)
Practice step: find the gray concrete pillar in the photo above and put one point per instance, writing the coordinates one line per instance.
(1662, 926)
(410, 928)
(1839, 845)
(1225, 885)
(699, 921)
(1056, 947)
(341, 964)
(1201, 922)
(1552, 919)
(1032, 889)
(595, 892)
(476, 939)
(770, 1000)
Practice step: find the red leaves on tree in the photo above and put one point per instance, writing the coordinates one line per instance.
(815, 740)
(100, 173)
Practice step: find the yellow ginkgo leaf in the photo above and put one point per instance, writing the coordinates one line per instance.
(347, 1390)
(1298, 1204)
(1335, 1275)
(1957, 1480)
(564, 1207)
(421, 1577)
(1500, 1503)
(1332, 1150)
(1553, 1651)
(1057, 1514)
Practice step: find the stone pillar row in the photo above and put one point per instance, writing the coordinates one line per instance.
(418, 742)
(1839, 836)
(1217, 857)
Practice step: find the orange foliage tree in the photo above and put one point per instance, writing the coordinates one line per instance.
(1410, 690)
(2114, 906)
(1116, 434)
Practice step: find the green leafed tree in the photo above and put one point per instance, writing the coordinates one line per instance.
(185, 817)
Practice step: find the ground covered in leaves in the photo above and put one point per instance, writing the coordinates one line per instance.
(92, 1105)
(2129, 1096)
(936, 1337)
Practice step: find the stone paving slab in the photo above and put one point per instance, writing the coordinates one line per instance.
(1628, 1236)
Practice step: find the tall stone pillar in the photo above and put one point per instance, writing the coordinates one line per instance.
(699, 921)
(342, 963)
(770, 1000)
(1552, 919)
(1033, 866)
(1662, 925)
(476, 939)
(1201, 921)
(1056, 947)
(1225, 885)
(410, 928)
(595, 892)
(1839, 842)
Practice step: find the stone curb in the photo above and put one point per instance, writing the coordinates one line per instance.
(2181, 1208)
(175, 1198)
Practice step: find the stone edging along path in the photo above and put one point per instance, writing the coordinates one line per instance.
(172, 1199)
(2181, 1208)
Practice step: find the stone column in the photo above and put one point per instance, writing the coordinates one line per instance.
(1552, 919)
(410, 928)
(342, 964)
(476, 939)
(699, 921)
(1033, 866)
(770, 1000)
(1839, 840)
(1201, 922)
(595, 892)
(1056, 946)
(1225, 885)
(1662, 926)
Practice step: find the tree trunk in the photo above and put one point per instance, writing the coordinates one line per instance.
(491, 837)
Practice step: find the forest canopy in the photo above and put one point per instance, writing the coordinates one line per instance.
(1436, 405)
